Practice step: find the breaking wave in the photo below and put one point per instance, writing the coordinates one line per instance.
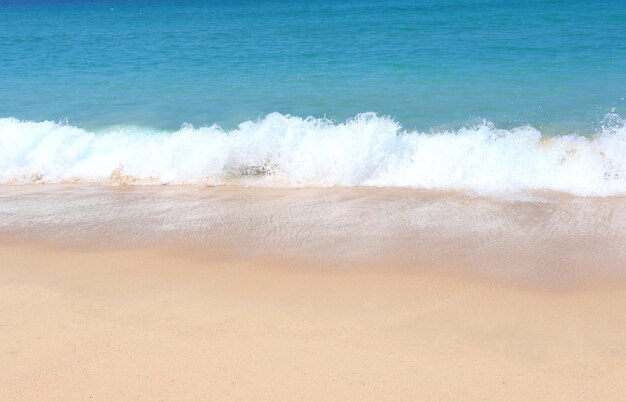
(288, 151)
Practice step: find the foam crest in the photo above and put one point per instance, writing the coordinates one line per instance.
(282, 150)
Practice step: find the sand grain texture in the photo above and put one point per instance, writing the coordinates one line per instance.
(164, 324)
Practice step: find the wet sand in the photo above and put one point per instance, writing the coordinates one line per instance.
(535, 240)
(236, 294)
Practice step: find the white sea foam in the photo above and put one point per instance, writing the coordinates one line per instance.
(280, 150)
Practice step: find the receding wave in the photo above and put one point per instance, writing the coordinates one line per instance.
(288, 151)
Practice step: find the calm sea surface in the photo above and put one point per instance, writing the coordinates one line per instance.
(559, 66)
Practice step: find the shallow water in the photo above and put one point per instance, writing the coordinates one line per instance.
(544, 239)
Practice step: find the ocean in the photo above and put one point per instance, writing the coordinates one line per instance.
(479, 96)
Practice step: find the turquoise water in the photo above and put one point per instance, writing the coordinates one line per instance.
(482, 96)
(559, 66)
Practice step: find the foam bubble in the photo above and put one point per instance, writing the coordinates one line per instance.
(282, 150)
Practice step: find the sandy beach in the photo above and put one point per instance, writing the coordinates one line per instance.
(158, 324)
(401, 200)
(253, 317)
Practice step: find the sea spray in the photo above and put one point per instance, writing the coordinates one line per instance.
(289, 151)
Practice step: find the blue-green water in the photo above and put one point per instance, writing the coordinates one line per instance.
(483, 95)
(558, 65)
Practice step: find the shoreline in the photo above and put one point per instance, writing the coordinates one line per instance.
(114, 183)
(536, 241)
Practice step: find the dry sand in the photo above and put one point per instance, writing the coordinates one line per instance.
(166, 324)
